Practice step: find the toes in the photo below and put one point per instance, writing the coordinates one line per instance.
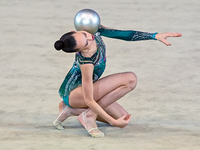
(58, 125)
(94, 132)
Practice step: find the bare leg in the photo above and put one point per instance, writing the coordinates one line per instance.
(120, 85)
(115, 110)
(106, 92)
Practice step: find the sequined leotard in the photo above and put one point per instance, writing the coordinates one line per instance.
(73, 78)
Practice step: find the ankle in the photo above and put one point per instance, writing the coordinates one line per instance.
(90, 114)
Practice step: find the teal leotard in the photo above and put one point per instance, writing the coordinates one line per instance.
(74, 77)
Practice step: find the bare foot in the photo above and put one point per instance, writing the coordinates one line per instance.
(64, 113)
(90, 125)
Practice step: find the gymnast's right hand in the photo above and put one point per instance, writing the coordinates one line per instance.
(122, 121)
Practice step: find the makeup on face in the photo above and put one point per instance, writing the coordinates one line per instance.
(88, 39)
(83, 39)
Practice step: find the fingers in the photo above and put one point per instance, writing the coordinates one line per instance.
(163, 37)
(123, 121)
(126, 120)
(166, 43)
(128, 117)
(174, 34)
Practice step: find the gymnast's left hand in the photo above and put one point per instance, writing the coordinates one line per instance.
(122, 121)
(162, 37)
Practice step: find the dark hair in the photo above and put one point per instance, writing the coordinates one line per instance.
(67, 43)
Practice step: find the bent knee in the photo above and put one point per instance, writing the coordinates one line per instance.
(131, 80)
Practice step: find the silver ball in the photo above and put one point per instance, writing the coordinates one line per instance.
(87, 20)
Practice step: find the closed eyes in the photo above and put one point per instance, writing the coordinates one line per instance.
(86, 38)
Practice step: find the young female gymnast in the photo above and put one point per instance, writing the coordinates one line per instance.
(86, 95)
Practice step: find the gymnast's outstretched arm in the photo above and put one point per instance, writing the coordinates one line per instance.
(131, 35)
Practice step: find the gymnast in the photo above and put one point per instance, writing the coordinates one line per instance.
(84, 93)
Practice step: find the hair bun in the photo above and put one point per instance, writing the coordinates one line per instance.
(59, 45)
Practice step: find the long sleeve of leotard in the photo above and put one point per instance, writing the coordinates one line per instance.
(127, 35)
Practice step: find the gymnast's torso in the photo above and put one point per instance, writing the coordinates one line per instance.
(74, 78)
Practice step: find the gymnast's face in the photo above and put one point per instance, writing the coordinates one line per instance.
(83, 40)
